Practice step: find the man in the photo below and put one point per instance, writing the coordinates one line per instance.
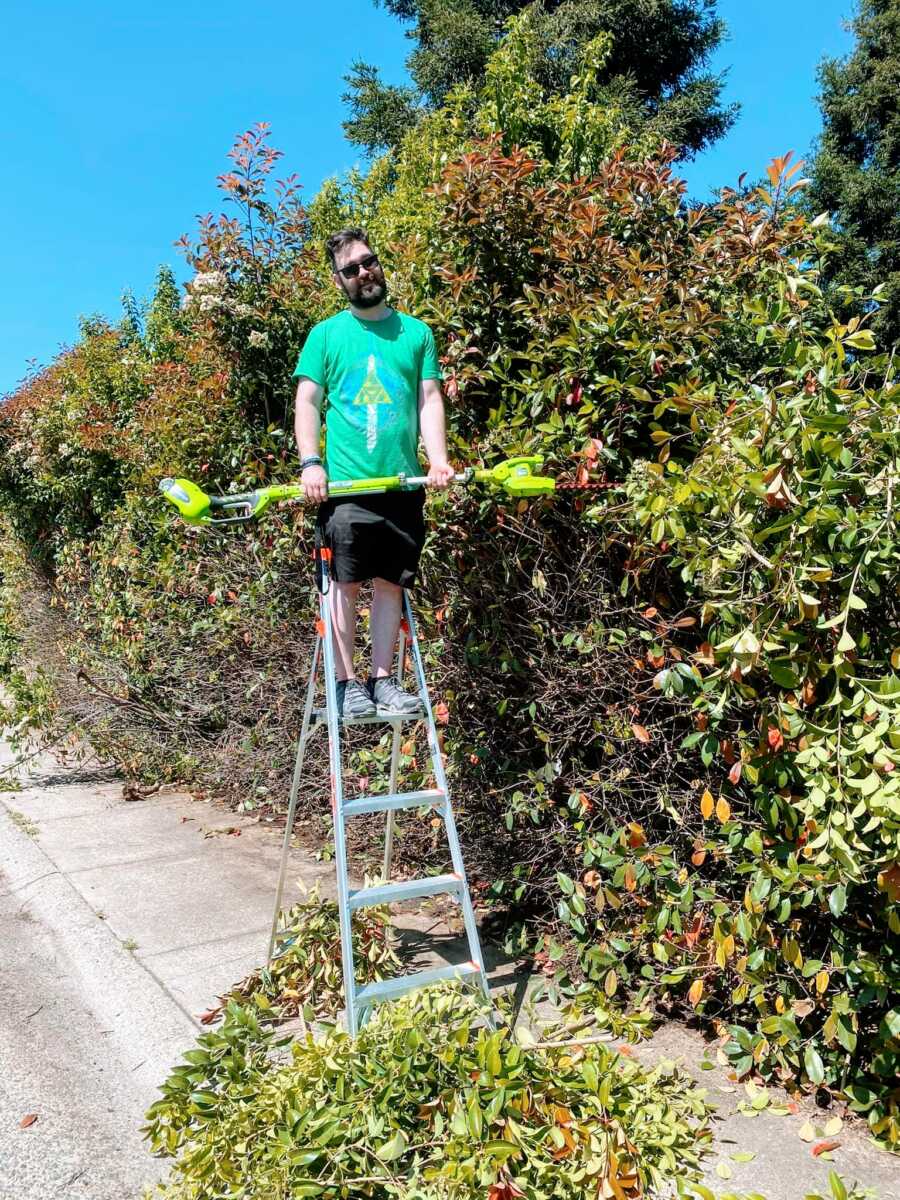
(378, 371)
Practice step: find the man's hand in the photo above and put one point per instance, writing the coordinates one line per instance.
(315, 484)
(440, 474)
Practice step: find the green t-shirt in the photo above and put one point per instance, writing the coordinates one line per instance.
(370, 371)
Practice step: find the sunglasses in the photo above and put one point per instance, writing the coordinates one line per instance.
(354, 269)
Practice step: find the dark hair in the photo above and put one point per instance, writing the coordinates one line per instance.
(342, 238)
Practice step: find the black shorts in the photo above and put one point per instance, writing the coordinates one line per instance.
(374, 537)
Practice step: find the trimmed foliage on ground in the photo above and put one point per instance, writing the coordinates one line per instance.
(671, 703)
(422, 1103)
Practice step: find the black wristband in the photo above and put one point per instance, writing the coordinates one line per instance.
(312, 461)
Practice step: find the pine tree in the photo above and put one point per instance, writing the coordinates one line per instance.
(856, 170)
(656, 69)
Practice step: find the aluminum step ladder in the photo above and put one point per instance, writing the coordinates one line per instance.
(359, 1001)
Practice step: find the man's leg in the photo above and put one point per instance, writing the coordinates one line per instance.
(387, 606)
(353, 698)
(342, 598)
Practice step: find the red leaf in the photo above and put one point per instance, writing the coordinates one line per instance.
(774, 738)
(735, 773)
(821, 1147)
(28, 1120)
(640, 733)
(442, 713)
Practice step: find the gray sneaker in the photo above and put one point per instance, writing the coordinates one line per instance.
(391, 699)
(353, 700)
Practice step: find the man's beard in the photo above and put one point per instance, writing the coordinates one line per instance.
(372, 300)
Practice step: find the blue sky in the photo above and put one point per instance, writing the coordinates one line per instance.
(117, 123)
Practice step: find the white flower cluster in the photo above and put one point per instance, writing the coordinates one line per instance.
(259, 339)
(204, 291)
(208, 281)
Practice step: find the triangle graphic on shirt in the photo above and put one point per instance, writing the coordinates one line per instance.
(373, 390)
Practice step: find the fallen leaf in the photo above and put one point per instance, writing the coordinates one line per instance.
(640, 733)
(824, 1147)
(834, 1126)
(28, 1120)
(743, 1156)
(806, 1132)
(723, 1170)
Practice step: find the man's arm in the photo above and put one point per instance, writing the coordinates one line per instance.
(433, 427)
(307, 427)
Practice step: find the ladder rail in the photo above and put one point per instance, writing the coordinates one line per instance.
(337, 800)
(440, 776)
(295, 787)
(395, 762)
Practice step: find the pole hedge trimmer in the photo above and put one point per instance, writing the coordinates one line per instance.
(515, 476)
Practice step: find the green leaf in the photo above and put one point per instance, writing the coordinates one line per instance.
(861, 339)
(784, 675)
(837, 900)
(500, 1149)
(474, 1117)
(565, 883)
(813, 1065)
(394, 1148)
(838, 1190)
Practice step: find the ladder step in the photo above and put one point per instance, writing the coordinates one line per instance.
(319, 716)
(388, 989)
(391, 802)
(409, 889)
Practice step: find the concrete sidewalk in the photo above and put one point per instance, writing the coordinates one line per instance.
(121, 922)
